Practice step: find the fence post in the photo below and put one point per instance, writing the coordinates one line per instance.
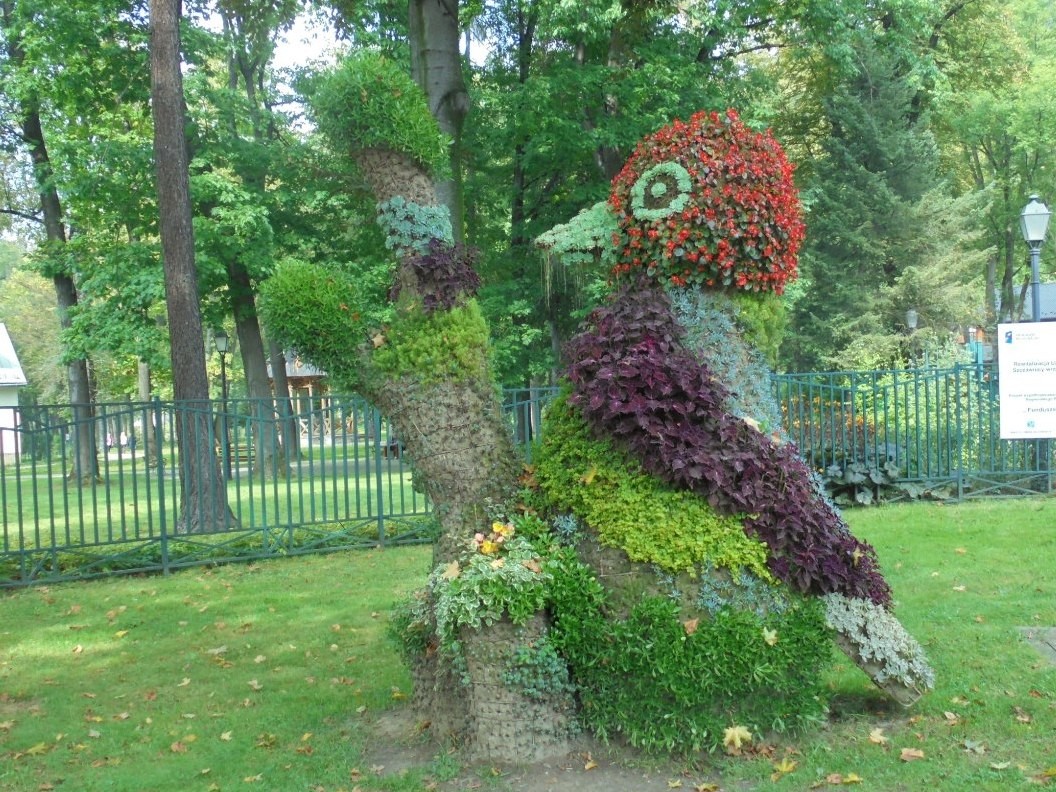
(379, 483)
(159, 445)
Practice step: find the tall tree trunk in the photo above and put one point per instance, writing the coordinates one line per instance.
(147, 435)
(289, 432)
(85, 461)
(254, 364)
(436, 66)
(203, 493)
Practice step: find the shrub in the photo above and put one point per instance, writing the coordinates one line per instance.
(665, 683)
(369, 101)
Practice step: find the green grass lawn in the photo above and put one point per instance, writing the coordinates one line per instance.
(270, 676)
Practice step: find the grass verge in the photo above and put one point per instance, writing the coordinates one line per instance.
(270, 676)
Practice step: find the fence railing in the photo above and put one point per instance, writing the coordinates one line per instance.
(333, 475)
(330, 476)
(939, 427)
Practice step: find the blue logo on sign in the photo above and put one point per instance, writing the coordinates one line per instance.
(1008, 336)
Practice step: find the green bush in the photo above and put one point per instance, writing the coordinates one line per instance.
(668, 684)
(369, 101)
(434, 347)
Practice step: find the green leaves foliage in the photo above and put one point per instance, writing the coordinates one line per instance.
(435, 346)
(651, 521)
(668, 685)
(320, 314)
(369, 101)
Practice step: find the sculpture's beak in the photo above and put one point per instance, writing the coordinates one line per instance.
(583, 239)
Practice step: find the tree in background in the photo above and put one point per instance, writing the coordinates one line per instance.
(203, 493)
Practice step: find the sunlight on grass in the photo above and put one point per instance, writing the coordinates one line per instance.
(270, 676)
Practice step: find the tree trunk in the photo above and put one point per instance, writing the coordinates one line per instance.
(85, 468)
(436, 66)
(290, 435)
(147, 435)
(203, 493)
(265, 438)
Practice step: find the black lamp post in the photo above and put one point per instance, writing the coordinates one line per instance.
(223, 345)
(1034, 222)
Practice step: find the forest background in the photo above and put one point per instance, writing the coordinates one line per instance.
(919, 129)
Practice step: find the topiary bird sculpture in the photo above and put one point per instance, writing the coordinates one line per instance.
(667, 449)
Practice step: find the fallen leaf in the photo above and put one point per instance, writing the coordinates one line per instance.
(734, 737)
(911, 754)
(225, 736)
(178, 747)
(770, 636)
(952, 718)
(254, 778)
(255, 685)
(186, 681)
(1022, 716)
(876, 736)
(706, 787)
(121, 633)
(94, 734)
(960, 588)
(1000, 765)
(451, 571)
(674, 783)
(690, 625)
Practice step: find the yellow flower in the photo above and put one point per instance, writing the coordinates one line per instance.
(488, 547)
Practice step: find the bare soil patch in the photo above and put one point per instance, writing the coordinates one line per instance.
(400, 746)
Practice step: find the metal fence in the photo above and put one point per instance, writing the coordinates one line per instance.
(939, 428)
(349, 486)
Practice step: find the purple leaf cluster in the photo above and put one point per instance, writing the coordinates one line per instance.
(445, 274)
(635, 382)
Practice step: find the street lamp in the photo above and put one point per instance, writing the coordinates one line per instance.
(1034, 222)
(222, 342)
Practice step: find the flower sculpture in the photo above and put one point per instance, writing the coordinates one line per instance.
(704, 219)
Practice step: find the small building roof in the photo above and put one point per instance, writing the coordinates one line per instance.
(10, 369)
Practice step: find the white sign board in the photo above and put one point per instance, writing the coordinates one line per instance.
(1027, 368)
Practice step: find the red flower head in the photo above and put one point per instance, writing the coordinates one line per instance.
(709, 202)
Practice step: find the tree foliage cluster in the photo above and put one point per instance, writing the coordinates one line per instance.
(918, 129)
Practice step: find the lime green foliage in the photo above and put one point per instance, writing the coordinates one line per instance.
(319, 313)
(369, 101)
(651, 521)
(764, 319)
(411, 226)
(666, 684)
(435, 347)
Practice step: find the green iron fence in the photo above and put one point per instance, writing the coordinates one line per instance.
(349, 486)
(344, 483)
(938, 427)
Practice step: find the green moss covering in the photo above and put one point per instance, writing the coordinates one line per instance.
(369, 101)
(631, 510)
(434, 347)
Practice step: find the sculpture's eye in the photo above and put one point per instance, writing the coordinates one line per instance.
(661, 191)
